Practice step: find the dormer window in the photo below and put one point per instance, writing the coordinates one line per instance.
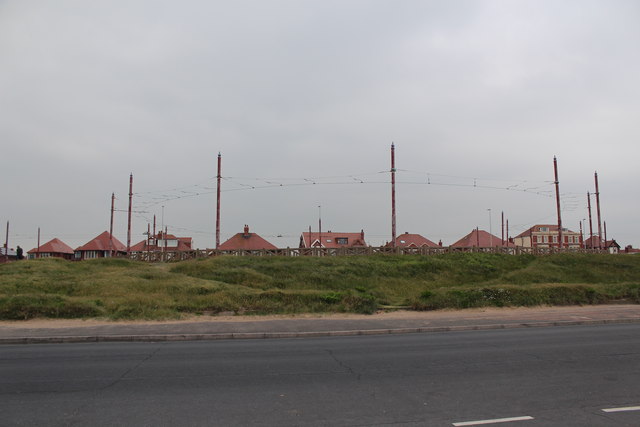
(342, 240)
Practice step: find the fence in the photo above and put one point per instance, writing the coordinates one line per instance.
(169, 256)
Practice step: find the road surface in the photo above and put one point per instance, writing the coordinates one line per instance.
(564, 376)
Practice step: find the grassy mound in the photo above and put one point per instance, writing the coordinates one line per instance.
(123, 289)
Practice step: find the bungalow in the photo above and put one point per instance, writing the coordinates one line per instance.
(408, 240)
(100, 247)
(246, 241)
(611, 246)
(330, 239)
(54, 248)
(480, 239)
(546, 235)
(163, 242)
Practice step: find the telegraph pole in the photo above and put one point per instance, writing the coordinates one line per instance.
(38, 250)
(113, 198)
(129, 214)
(598, 212)
(6, 245)
(557, 183)
(590, 221)
(393, 196)
(502, 228)
(219, 177)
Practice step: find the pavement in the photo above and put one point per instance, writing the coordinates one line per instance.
(300, 326)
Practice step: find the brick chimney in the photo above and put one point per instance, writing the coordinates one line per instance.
(246, 230)
(362, 235)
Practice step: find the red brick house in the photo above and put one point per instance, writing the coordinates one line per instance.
(480, 239)
(408, 240)
(54, 248)
(246, 241)
(329, 239)
(100, 247)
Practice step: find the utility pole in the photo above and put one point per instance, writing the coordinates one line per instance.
(320, 225)
(508, 234)
(598, 211)
(129, 214)
(38, 250)
(219, 177)
(502, 227)
(581, 234)
(557, 183)
(6, 245)
(590, 221)
(113, 198)
(605, 234)
(393, 196)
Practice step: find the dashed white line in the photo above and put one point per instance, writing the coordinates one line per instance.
(628, 408)
(494, 421)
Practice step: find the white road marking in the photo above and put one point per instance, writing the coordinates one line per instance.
(628, 408)
(494, 421)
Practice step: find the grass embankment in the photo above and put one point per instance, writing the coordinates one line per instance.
(123, 289)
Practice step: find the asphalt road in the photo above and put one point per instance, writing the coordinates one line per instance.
(561, 376)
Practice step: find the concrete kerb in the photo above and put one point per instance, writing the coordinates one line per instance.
(305, 334)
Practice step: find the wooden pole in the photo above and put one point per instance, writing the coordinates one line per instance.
(393, 196)
(557, 183)
(129, 214)
(219, 177)
(590, 221)
(598, 212)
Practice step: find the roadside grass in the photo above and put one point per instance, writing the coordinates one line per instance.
(124, 289)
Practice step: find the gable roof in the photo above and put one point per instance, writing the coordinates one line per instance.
(53, 246)
(536, 229)
(246, 241)
(595, 240)
(481, 239)
(101, 243)
(407, 239)
(329, 239)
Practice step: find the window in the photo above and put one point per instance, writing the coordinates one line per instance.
(545, 229)
(555, 239)
(342, 240)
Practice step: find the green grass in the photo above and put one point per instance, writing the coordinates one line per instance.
(123, 289)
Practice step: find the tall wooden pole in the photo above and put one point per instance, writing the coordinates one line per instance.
(502, 227)
(6, 245)
(113, 198)
(129, 214)
(557, 183)
(38, 250)
(219, 177)
(393, 196)
(598, 212)
(590, 221)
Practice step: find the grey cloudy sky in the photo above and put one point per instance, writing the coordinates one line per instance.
(296, 92)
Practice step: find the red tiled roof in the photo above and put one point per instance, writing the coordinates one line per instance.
(536, 229)
(480, 238)
(594, 241)
(246, 241)
(416, 240)
(53, 246)
(330, 239)
(101, 243)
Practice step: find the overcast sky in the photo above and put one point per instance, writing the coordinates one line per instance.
(298, 92)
